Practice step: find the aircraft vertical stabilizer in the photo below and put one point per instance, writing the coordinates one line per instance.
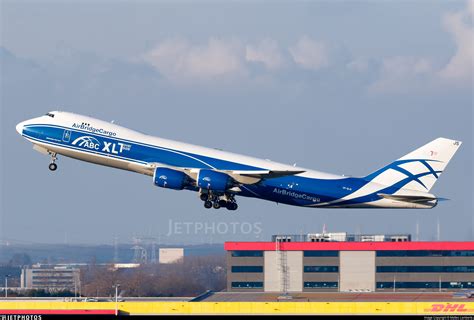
(419, 170)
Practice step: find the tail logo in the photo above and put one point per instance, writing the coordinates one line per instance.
(410, 176)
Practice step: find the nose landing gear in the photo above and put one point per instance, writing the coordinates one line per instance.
(53, 166)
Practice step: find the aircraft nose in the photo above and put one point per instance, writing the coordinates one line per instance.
(19, 128)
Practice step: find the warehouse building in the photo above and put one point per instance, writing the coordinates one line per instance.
(341, 262)
(51, 278)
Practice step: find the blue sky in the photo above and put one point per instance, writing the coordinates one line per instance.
(342, 87)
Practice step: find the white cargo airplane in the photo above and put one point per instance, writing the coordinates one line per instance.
(219, 176)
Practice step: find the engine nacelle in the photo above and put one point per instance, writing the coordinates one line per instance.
(169, 178)
(213, 180)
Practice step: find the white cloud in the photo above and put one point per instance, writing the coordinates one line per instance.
(180, 60)
(460, 25)
(218, 59)
(359, 65)
(310, 54)
(404, 74)
(266, 52)
(402, 66)
(401, 74)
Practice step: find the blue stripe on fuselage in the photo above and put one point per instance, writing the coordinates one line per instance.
(294, 190)
(138, 151)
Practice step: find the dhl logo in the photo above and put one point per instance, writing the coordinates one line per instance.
(448, 307)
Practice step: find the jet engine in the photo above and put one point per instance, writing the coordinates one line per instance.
(171, 179)
(213, 181)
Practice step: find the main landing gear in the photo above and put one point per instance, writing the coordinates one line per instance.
(216, 202)
(53, 166)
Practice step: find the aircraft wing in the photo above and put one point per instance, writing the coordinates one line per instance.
(247, 176)
(252, 177)
(240, 176)
(268, 174)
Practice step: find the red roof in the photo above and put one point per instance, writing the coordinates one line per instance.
(350, 246)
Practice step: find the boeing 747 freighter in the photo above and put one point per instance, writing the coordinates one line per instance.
(220, 176)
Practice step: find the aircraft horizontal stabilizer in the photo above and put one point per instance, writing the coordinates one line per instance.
(407, 198)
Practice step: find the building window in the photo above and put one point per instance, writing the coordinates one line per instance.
(320, 285)
(436, 269)
(321, 253)
(47, 283)
(52, 278)
(425, 253)
(321, 269)
(247, 253)
(424, 285)
(247, 268)
(245, 285)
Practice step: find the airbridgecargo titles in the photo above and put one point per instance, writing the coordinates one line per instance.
(219, 177)
(296, 195)
(86, 126)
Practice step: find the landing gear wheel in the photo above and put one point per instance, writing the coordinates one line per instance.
(207, 204)
(232, 206)
(216, 205)
(203, 196)
(222, 203)
(53, 166)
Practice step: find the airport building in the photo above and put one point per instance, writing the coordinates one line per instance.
(50, 277)
(342, 262)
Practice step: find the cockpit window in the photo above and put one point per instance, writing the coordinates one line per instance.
(49, 114)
